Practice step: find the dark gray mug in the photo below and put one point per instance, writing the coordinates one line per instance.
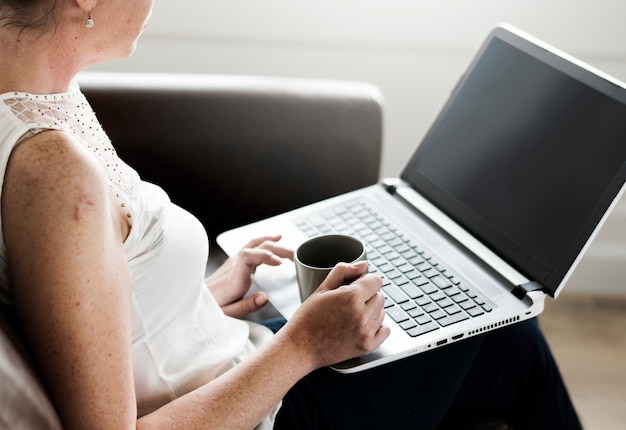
(316, 257)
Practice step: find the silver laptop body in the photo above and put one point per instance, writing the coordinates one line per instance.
(503, 196)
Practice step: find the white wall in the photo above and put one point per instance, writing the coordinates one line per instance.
(414, 50)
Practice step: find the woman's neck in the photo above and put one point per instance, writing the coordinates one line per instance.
(35, 65)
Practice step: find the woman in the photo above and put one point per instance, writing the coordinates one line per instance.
(106, 277)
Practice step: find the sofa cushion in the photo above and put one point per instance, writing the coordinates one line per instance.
(23, 401)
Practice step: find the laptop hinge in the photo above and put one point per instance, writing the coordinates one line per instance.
(521, 290)
(389, 186)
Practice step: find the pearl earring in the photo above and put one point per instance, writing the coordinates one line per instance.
(89, 22)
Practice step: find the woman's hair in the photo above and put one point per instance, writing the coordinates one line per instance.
(28, 15)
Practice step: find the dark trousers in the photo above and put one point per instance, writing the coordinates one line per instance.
(508, 374)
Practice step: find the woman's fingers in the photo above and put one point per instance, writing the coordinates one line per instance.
(261, 250)
(343, 274)
(246, 305)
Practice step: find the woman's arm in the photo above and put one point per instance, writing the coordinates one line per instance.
(71, 289)
(64, 235)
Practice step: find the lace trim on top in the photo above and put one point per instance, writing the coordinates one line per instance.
(70, 112)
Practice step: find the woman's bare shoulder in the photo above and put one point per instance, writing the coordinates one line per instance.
(52, 164)
(52, 155)
(52, 180)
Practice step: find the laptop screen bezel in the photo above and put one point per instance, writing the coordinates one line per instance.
(514, 254)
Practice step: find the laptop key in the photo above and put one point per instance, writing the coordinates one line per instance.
(405, 267)
(452, 319)
(397, 314)
(421, 281)
(445, 303)
(468, 305)
(412, 291)
(396, 294)
(413, 274)
(479, 300)
(416, 261)
(460, 298)
(423, 319)
(394, 273)
(437, 296)
(422, 329)
(454, 309)
(475, 311)
(438, 314)
(402, 248)
(430, 307)
(400, 281)
(430, 273)
(407, 325)
(452, 291)
(422, 265)
(416, 312)
(385, 267)
(408, 306)
(424, 300)
(441, 282)
(428, 288)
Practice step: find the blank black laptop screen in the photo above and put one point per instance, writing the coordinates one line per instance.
(527, 155)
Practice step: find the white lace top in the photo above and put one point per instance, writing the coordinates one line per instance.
(181, 338)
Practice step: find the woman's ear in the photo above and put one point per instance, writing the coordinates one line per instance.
(86, 5)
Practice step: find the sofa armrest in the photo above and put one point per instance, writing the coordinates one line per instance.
(235, 149)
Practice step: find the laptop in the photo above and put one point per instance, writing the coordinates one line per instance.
(493, 211)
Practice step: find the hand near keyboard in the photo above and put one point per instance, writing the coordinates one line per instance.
(233, 279)
(342, 319)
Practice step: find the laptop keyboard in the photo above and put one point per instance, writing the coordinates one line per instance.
(421, 294)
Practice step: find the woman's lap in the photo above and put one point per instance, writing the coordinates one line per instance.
(509, 373)
(524, 388)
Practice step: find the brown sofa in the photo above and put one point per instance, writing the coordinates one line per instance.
(230, 149)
